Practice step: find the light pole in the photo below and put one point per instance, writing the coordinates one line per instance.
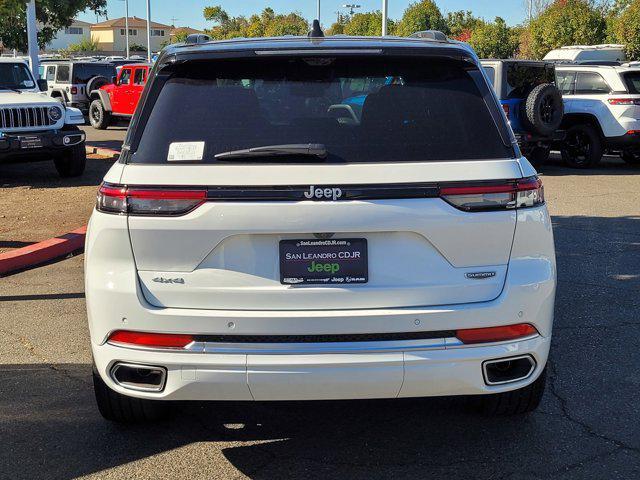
(32, 38)
(126, 24)
(318, 17)
(384, 17)
(149, 31)
(351, 7)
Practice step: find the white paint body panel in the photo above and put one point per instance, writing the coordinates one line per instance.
(115, 291)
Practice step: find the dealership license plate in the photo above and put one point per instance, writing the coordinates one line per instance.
(334, 261)
(30, 142)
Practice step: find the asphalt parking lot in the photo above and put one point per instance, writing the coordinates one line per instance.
(588, 425)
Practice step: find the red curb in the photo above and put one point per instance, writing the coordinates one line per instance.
(107, 152)
(42, 252)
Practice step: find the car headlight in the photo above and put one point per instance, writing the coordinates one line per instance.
(55, 113)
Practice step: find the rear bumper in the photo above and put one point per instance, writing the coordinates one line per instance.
(436, 371)
(623, 142)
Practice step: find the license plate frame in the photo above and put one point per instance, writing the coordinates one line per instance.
(342, 261)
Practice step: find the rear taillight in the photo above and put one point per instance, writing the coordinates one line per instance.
(624, 101)
(147, 201)
(150, 340)
(524, 193)
(496, 334)
(506, 110)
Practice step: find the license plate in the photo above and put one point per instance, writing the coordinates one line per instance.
(334, 261)
(30, 142)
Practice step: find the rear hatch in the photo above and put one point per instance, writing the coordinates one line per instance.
(627, 106)
(399, 203)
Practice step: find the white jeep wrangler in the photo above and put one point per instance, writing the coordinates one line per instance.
(34, 126)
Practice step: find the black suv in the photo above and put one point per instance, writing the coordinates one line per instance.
(532, 102)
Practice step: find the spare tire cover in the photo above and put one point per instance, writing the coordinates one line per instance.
(95, 83)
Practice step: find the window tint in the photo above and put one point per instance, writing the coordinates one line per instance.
(62, 74)
(15, 75)
(522, 78)
(491, 73)
(632, 79)
(83, 72)
(362, 109)
(589, 83)
(566, 82)
(125, 76)
(139, 76)
(51, 73)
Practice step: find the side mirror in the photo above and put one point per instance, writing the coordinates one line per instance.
(42, 84)
(114, 80)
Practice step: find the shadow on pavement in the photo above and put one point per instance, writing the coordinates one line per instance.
(44, 175)
(609, 165)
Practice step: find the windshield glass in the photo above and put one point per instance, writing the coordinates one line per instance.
(15, 75)
(379, 109)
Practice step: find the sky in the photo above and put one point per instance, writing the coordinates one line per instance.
(189, 12)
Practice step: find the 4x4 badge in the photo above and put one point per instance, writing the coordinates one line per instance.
(479, 275)
(169, 280)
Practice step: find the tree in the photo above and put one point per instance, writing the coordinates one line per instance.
(266, 24)
(494, 40)
(422, 15)
(567, 22)
(52, 15)
(625, 28)
(85, 45)
(460, 24)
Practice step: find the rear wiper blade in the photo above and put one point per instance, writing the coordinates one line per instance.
(309, 149)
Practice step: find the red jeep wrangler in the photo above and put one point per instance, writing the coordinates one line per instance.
(120, 98)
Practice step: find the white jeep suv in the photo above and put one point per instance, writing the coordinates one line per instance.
(34, 126)
(319, 218)
(601, 113)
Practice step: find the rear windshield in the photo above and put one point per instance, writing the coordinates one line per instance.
(632, 79)
(83, 72)
(522, 78)
(361, 110)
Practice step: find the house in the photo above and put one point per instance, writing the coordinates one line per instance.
(110, 35)
(74, 33)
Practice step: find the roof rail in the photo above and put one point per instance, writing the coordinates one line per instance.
(196, 38)
(431, 35)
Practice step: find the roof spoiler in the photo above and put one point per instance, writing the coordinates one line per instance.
(196, 38)
(436, 35)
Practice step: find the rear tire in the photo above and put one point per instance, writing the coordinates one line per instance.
(99, 118)
(72, 162)
(582, 147)
(631, 158)
(119, 408)
(539, 156)
(516, 402)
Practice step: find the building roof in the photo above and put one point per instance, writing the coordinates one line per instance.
(134, 22)
(187, 30)
(80, 23)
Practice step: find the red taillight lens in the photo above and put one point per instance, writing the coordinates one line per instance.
(496, 334)
(527, 192)
(74, 90)
(137, 201)
(506, 110)
(624, 101)
(152, 340)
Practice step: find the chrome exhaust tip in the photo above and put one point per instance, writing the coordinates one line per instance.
(142, 378)
(508, 370)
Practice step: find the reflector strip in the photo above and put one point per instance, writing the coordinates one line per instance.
(496, 334)
(143, 339)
